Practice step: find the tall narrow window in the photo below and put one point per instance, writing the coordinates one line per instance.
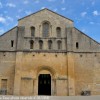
(31, 44)
(58, 30)
(45, 29)
(40, 44)
(50, 44)
(59, 44)
(77, 45)
(12, 43)
(32, 31)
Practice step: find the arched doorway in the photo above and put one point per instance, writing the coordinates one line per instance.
(44, 84)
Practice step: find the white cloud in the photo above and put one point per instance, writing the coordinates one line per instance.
(83, 30)
(63, 8)
(20, 10)
(93, 2)
(98, 23)
(87, 8)
(11, 5)
(63, 1)
(5, 12)
(91, 23)
(83, 14)
(1, 14)
(55, 9)
(83, 3)
(26, 2)
(9, 18)
(28, 12)
(51, 0)
(37, 1)
(96, 13)
(2, 20)
(43, 7)
(18, 16)
(1, 31)
(1, 5)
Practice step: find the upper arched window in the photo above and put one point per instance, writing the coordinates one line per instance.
(58, 30)
(31, 44)
(45, 29)
(32, 31)
(40, 44)
(59, 44)
(50, 44)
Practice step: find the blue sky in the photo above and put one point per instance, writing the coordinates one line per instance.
(84, 13)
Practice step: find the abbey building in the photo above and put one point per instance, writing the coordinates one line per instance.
(46, 55)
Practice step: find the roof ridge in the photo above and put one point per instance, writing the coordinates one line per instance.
(87, 36)
(48, 10)
(8, 31)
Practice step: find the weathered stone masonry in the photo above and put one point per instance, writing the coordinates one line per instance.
(46, 43)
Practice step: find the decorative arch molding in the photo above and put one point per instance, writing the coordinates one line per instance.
(41, 44)
(50, 44)
(45, 28)
(32, 28)
(49, 69)
(45, 21)
(58, 31)
(59, 43)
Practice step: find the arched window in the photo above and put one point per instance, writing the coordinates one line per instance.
(40, 44)
(59, 44)
(32, 31)
(45, 29)
(50, 44)
(31, 44)
(58, 30)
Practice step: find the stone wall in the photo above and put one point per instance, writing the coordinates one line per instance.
(37, 20)
(30, 64)
(7, 70)
(73, 68)
(5, 40)
(87, 73)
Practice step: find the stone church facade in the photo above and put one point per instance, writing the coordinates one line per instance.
(46, 55)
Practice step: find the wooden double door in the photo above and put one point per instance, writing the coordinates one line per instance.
(44, 84)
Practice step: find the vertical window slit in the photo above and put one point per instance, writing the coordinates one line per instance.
(50, 44)
(77, 45)
(32, 31)
(58, 30)
(40, 44)
(31, 44)
(59, 45)
(12, 43)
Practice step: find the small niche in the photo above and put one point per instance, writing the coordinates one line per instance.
(33, 55)
(65, 53)
(55, 55)
(81, 55)
(44, 55)
(4, 54)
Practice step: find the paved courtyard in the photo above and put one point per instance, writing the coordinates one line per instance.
(3, 97)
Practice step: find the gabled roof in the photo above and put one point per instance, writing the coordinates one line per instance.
(87, 36)
(8, 31)
(48, 10)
